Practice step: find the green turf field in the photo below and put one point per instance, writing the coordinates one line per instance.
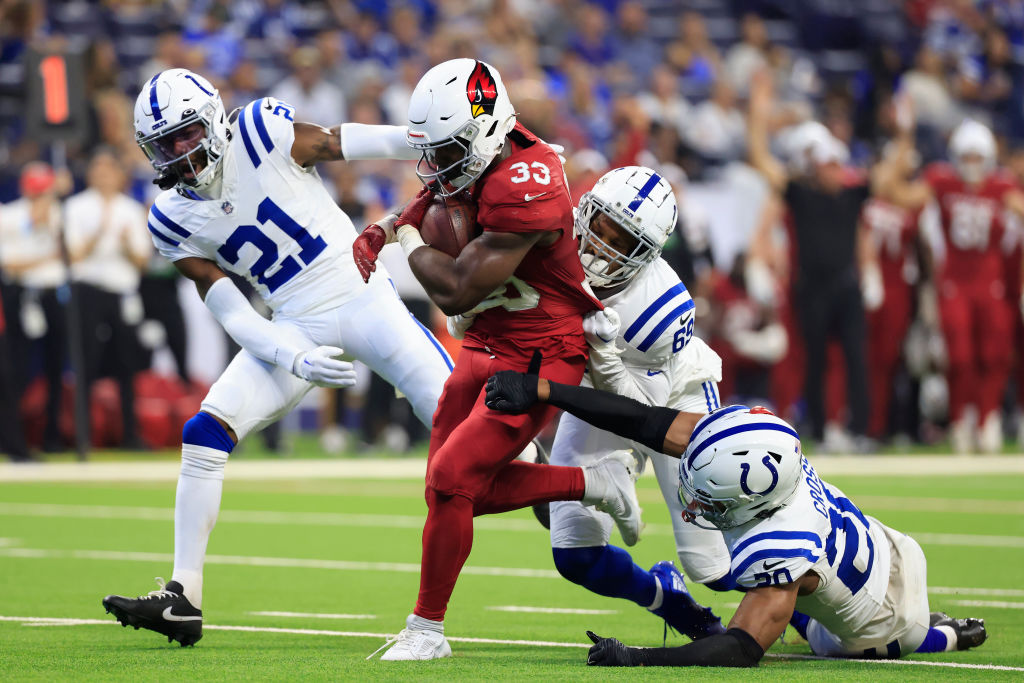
(351, 547)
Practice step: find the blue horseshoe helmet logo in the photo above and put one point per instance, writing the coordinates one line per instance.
(767, 462)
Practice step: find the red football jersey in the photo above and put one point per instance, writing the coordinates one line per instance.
(972, 222)
(892, 229)
(527, 192)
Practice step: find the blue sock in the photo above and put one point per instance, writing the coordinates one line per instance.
(204, 430)
(606, 570)
(935, 641)
(799, 621)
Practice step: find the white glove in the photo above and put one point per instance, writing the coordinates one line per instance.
(322, 366)
(601, 328)
(458, 324)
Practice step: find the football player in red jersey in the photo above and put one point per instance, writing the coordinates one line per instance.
(972, 196)
(517, 287)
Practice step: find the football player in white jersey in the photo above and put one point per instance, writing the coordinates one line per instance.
(795, 542)
(623, 222)
(242, 195)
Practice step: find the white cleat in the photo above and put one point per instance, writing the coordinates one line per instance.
(414, 644)
(610, 487)
(990, 436)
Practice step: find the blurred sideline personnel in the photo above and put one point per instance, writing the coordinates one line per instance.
(624, 221)
(796, 542)
(518, 286)
(824, 210)
(970, 280)
(109, 247)
(12, 443)
(247, 199)
(33, 271)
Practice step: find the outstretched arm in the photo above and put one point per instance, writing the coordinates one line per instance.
(349, 141)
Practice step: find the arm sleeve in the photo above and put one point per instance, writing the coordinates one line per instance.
(735, 648)
(363, 141)
(249, 329)
(647, 425)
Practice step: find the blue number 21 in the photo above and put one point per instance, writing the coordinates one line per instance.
(251, 234)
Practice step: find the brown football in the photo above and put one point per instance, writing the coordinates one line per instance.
(449, 224)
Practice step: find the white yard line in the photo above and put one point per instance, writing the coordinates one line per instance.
(414, 468)
(56, 621)
(989, 603)
(548, 610)
(999, 592)
(354, 520)
(312, 615)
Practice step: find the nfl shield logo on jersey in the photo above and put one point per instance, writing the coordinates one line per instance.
(227, 207)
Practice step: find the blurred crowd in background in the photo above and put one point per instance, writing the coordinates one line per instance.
(671, 84)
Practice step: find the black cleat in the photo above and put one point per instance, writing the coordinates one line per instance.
(165, 611)
(542, 511)
(969, 632)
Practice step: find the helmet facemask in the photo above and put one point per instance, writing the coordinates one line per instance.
(196, 166)
(603, 264)
(451, 165)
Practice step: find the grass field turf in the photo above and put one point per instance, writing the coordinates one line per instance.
(63, 546)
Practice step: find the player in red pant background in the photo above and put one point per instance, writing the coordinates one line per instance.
(517, 287)
(971, 281)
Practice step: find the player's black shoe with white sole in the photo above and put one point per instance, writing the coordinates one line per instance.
(969, 632)
(165, 610)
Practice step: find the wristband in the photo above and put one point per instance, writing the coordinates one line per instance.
(410, 239)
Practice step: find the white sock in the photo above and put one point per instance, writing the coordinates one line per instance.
(417, 623)
(196, 505)
(951, 639)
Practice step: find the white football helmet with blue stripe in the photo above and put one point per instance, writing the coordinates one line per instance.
(639, 201)
(742, 464)
(167, 112)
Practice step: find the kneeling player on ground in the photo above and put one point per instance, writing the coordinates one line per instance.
(623, 223)
(795, 541)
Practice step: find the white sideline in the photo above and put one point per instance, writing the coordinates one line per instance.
(56, 621)
(343, 519)
(548, 610)
(414, 468)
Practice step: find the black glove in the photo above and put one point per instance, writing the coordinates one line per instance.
(611, 652)
(509, 391)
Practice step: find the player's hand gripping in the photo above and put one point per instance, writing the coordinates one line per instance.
(323, 367)
(412, 214)
(601, 328)
(610, 652)
(509, 391)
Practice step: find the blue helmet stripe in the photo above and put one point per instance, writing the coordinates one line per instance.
(261, 127)
(165, 238)
(247, 140)
(666, 321)
(154, 101)
(644, 192)
(738, 429)
(638, 324)
(169, 223)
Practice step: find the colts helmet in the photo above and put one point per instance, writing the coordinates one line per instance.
(165, 113)
(639, 201)
(742, 463)
(972, 137)
(459, 117)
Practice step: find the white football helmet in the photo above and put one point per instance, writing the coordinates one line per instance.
(639, 201)
(972, 137)
(742, 463)
(459, 117)
(166, 110)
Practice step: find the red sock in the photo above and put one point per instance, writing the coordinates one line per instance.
(520, 484)
(447, 540)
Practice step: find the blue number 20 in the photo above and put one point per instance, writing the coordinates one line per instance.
(251, 234)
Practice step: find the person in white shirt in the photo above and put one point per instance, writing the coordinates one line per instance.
(109, 246)
(32, 270)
